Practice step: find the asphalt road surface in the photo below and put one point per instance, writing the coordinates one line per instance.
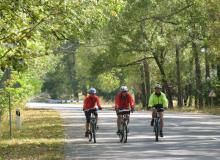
(187, 136)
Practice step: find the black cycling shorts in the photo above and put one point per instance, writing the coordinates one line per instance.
(159, 108)
(88, 114)
(121, 113)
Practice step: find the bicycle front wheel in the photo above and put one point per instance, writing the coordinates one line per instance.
(90, 136)
(121, 133)
(125, 132)
(156, 129)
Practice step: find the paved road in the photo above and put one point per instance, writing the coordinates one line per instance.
(187, 136)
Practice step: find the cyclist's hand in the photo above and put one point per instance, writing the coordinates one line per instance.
(100, 108)
(132, 110)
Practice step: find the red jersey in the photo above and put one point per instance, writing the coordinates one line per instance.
(124, 102)
(90, 102)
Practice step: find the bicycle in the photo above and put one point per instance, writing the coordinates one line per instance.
(123, 129)
(157, 127)
(93, 126)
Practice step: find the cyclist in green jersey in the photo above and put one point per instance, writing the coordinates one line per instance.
(158, 102)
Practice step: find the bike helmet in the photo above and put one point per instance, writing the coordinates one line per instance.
(92, 91)
(158, 86)
(124, 89)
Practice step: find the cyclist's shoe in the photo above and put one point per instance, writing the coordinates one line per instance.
(118, 132)
(161, 133)
(152, 122)
(87, 134)
(97, 127)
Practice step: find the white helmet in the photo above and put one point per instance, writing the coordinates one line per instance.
(124, 89)
(158, 86)
(92, 91)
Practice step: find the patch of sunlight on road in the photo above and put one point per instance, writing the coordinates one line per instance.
(43, 105)
(32, 141)
(210, 123)
(74, 125)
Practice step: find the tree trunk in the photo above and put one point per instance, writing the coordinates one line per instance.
(84, 90)
(147, 80)
(188, 95)
(179, 87)
(190, 84)
(198, 77)
(218, 71)
(5, 77)
(0, 123)
(137, 97)
(164, 80)
(190, 101)
(143, 95)
(207, 68)
(143, 87)
(207, 76)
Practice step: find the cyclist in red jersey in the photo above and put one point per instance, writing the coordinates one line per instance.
(89, 106)
(123, 100)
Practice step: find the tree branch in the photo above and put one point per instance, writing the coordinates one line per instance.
(23, 36)
(161, 18)
(132, 63)
(6, 53)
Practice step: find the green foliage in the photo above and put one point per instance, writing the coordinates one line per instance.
(103, 43)
(108, 82)
(153, 29)
(30, 82)
(31, 30)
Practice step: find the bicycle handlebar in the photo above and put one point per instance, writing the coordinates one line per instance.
(91, 109)
(123, 110)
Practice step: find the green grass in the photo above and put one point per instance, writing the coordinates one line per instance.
(215, 110)
(207, 109)
(40, 138)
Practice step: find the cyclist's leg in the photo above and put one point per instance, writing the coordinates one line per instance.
(128, 117)
(96, 116)
(161, 119)
(88, 116)
(154, 112)
(119, 117)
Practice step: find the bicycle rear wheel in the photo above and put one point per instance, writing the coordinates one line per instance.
(94, 133)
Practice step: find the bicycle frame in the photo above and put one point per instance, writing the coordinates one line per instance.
(157, 126)
(123, 125)
(92, 126)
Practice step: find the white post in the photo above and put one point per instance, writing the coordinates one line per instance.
(18, 119)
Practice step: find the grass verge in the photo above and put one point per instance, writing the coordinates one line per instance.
(40, 138)
(206, 109)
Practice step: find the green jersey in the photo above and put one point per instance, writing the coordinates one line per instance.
(155, 99)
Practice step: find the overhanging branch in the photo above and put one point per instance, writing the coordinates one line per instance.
(162, 18)
(132, 63)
